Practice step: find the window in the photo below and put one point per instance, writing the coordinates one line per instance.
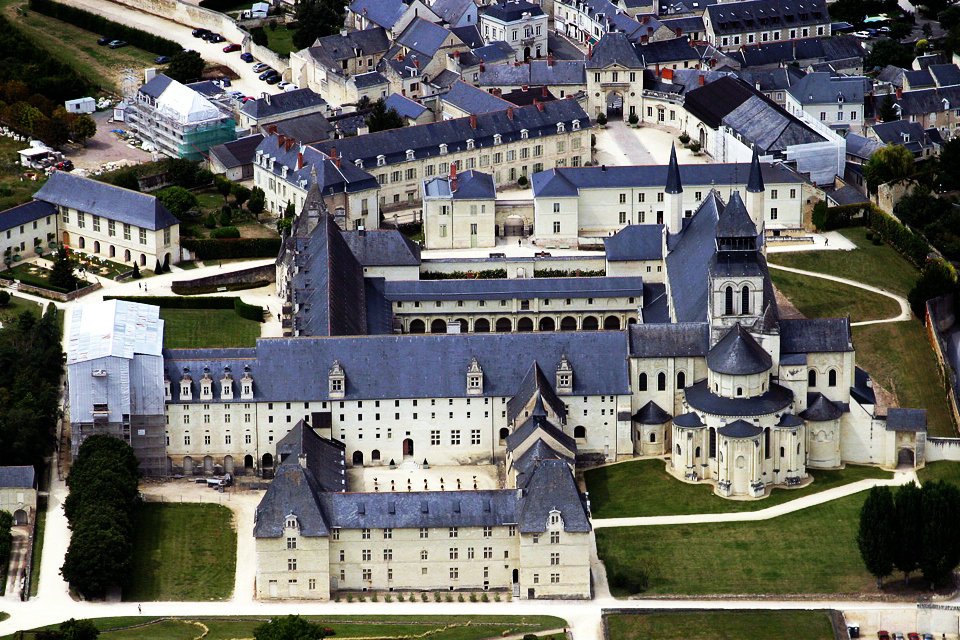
(661, 381)
(455, 437)
(454, 573)
(126, 231)
(366, 555)
(555, 559)
(291, 564)
(424, 555)
(291, 543)
(453, 532)
(435, 437)
(367, 574)
(728, 301)
(96, 223)
(387, 555)
(812, 378)
(554, 537)
(365, 534)
(793, 193)
(773, 213)
(387, 534)
(66, 215)
(454, 553)
(424, 533)
(832, 378)
(554, 578)
(642, 382)
(745, 300)
(81, 221)
(475, 436)
(488, 532)
(556, 226)
(186, 438)
(143, 236)
(773, 194)
(487, 553)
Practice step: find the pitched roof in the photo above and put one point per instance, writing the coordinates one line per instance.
(534, 73)
(331, 50)
(754, 15)
(820, 409)
(467, 185)
(384, 13)
(700, 397)
(614, 48)
(651, 413)
(823, 87)
(689, 420)
(755, 181)
(404, 106)
(415, 509)
(514, 288)
(269, 105)
(102, 199)
(534, 385)
(451, 10)
(674, 185)
(635, 242)
(761, 122)
(945, 74)
(156, 85)
(237, 153)
(683, 339)
(689, 260)
(906, 419)
(24, 213)
(21, 477)
(512, 10)
(740, 429)
(734, 221)
(738, 353)
(301, 160)
(789, 421)
(551, 487)
(293, 491)
(815, 335)
(534, 426)
(667, 51)
(472, 100)
(495, 51)
(423, 37)
(323, 457)
(305, 129)
(382, 247)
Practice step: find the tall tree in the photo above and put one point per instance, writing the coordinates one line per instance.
(223, 186)
(240, 194)
(886, 112)
(382, 118)
(908, 502)
(82, 128)
(888, 164)
(877, 536)
(317, 18)
(177, 200)
(186, 66)
(62, 274)
(289, 628)
(940, 544)
(256, 202)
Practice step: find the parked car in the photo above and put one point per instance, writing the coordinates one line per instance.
(64, 165)
(913, 635)
(266, 74)
(247, 99)
(224, 82)
(260, 67)
(216, 37)
(104, 41)
(230, 48)
(883, 635)
(273, 79)
(897, 635)
(861, 34)
(928, 636)
(162, 59)
(236, 95)
(247, 57)
(116, 44)
(884, 29)
(199, 33)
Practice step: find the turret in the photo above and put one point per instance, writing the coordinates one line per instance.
(755, 192)
(673, 199)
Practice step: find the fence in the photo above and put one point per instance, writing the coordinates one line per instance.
(16, 285)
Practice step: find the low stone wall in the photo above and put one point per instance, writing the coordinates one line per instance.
(234, 280)
(938, 449)
(49, 294)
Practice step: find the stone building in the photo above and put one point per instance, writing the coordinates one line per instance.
(519, 23)
(459, 211)
(18, 494)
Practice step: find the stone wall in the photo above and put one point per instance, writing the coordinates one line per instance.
(254, 276)
(54, 295)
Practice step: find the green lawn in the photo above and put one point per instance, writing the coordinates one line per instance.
(17, 306)
(193, 328)
(643, 488)
(434, 627)
(39, 530)
(880, 266)
(183, 552)
(31, 274)
(721, 625)
(943, 470)
(813, 551)
(819, 298)
(900, 359)
(280, 39)
(13, 190)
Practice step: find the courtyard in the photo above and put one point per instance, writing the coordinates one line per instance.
(411, 476)
(620, 144)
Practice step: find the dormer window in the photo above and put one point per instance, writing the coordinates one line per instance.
(337, 380)
(524, 134)
(167, 391)
(186, 385)
(283, 171)
(410, 154)
(358, 162)
(564, 376)
(474, 378)
(246, 385)
(497, 138)
(381, 160)
(561, 127)
(576, 125)
(443, 149)
(226, 385)
(290, 522)
(470, 144)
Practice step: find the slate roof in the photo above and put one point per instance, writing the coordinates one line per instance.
(755, 119)
(689, 261)
(847, 195)
(293, 491)
(469, 35)
(322, 456)
(535, 385)
(415, 509)
(369, 79)
(333, 49)
(815, 335)
(712, 102)
(495, 51)
(822, 87)
(425, 139)
(423, 37)
(237, 153)
(689, 420)
(530, 458)
(102, 199)
(945, 74)
(740, 429)
(635, 242)
(684, 339)
(926, 101)
(472, 100)
(756, 15)
(686, 24)
(384, 13)
(283, 102)
(156, 85)
(651, 413)
(836, 48)
(382, 247)
(772, 79)
(667, 51)
(862, 389)
(514, 288)
(305, 129)
(286, 369)
(532, 426)
(918, 79)
(906, 419)
(789, 421)
(738, 354)
(892, 74)
(735, 222)
(902, 132)
(820, 409)
(300, 161)
(24, 213)
(551, 487)
(451, 11)
(512, 10)
(614, 48)
(469, 185)
(534, 73)
(860, 146)
(404, 106)
(701, 398)
(20, 477)
(673, 184)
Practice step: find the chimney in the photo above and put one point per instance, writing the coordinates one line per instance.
(299, 161)
(481, 67)
(456, 54)
(644, 39)
(679, 32)
(289, 144)
(510, 113)
(899, 93)
(343, 32)
(589, 52)
(668, 74)
(335, 157)
(657, 71)
(543, 91)
(361, 231)
(549, 59)
(453, 177)
(281, 140)
(539, 105)
(416, 63)
(473, 121)
(525, 88)
(644, 19)
(266, 98)
(603, 167)
(700, 80)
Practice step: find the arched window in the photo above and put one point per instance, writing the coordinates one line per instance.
(661, 381)
(766, 443)
(642, 382)
(713, 442)
(678, 449)
(739, 391)
(798, 448)
(504, 432)
(681, 380)
(832, 378)
(375, 454)
(782, 452)
(811, 378)
(579, 432)
(653, 436)
(745, 300)
(696, 453)
(728, 301)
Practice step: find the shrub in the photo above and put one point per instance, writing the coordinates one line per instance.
(248, 311)
(98, 24)
(602, 119)
(225, 232)
(225, 248)
(259, 36)
(684, 138)
(4, 298)
(695, 146)
(226, 215)
(633, 582)
(633, 119)
(522, 181)
(564, 273)
(210, 221)
(486, 274)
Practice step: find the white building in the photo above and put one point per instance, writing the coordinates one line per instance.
(519, 23)
(459, 211)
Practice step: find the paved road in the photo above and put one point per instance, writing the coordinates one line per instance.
(905, 312)
(19, 553)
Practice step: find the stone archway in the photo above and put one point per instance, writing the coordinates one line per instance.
(417, 326)
(569, 323)
(20, 517)
(267, 461)
(613, 103)
(408, 448)
(514, 226)
(905, 458)
(248, 462)
(438, 326)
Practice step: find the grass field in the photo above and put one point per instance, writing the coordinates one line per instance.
(722, 625)
(433, 627)
(191, 328)
(643, 488)
(280, 39)
(183, 552)
(879, 266)
(78, 47)
(31, 274)
(813, 551)
(819, 298)
(949, 471)
(39, 530)
(13, 191)
(900, 359)
(17, 306)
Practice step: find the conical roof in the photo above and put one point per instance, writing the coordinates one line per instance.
(821, 409)
(651, 413)
(738, 354)
(673, 173)
(755, 181)
(735, 221)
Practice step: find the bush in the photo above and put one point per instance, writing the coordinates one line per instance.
(695, 146)
(226, 216)
(4, 298)
(522, 181)
(486, 274)
(248, 311)
(225, 232)
(99, 24)
(226, 248)
(564, 273)
(210, 221)
(684, 138)
(602, 119)
(259, 36)
(633, 119)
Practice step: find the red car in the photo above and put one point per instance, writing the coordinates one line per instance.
(883, 635)
(913, 635)
(230, 48)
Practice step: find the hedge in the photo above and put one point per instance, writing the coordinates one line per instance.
(485, 274)
(99, 24)
(225, 248)
(244, 310)
(910, 244)
(186, 289)
(225, 232)
(219, 5)
(565, 273)
(248, 311)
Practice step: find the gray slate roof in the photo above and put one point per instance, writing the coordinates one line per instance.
(514, 288)
(21, 477)
(684, 339)
(293, 491)
(404, 106)
(102, 199)
(735, 222)
(635, 242)
(533, 426)
(551, 487)
(651, 413)
(300, 161)
(423, 37)
(700, 397)
(470, 99)
(822, 87)
(688, 263)
(738, 354)
(740, 429)
(512, 10)
(415, 509)
(382, 247)
(815, 335)
(323, 457)
(468, 185)
(534, 73)
(945, 74)
(755, 15)
(156, 85)
(820, 409)
(383, 13)
(237, 153)
(614, 48)
(283, 102)
(906, 419)
(451, 10)
(689, 420)
(24, 213)
(535, 385)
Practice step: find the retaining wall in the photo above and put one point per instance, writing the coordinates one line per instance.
(234, 279)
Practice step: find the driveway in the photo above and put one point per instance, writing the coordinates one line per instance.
(106, 147)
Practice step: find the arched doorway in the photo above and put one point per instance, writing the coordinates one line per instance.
(207, 464)
(65, 239)
(504, 325)
(417, 326)
(113, 251)
(20, 517)
(611, 323)
(481, 325)
(514, 226)
(526, 53)
(590, 323)
(187, 466)
(143, 260)
(358, 458)
(126, 255)
(228, 464)
(569, 323)
(547, 324)
(438, 326)
(266, 462)
(703, 138)
(504, 432)
(408, 447)
(525, 325)
(464, 325)
(83, 242)
(375, 455)
(905, 458)
(248, 462)
(614, 105)
(96, 246)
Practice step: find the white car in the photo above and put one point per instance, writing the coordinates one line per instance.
(861, 34)
(260, 66)
(287, 86)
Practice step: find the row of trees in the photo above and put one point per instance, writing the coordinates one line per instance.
(913, 529)
(100, 511)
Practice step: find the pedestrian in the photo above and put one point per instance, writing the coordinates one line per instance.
(144, 286)
(139, 286)
(139, 609)
(519, 241)
(826, 241)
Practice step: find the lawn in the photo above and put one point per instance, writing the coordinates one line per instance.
(194, 328)
(721, 625)
(280, 39)
(900, 359)
(643, 488)
(183, 552)
(17, 306)
(31, 274)
(949, 471)
(819, 298)
(880, 266)
(434, 627)
(78, 47)
(813, 551)
(40, 528)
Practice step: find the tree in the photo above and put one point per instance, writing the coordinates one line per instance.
(315, 19)
(186, 66)
(886, 52)
(289, 628)
(6, 537)
(382, 118)
(888, 164)
(602, 119)
(256, 202)
(62, 274)
(259, 36)
(886, 112)
(177, 200)
(223, 186)
(285, 221)
(226, 215)
(908, 502)
(948, 165)
(82, 128)
(877, 537)
(240, 195)
(4, 298)
(940, 546)
(136, 271)
(78, 630)
(949, 18)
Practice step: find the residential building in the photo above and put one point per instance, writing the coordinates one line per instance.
(341, 68)
(459, 211)
(18, 494)
(234, 159)
(391, 15)
(456, 13)
(464, 100)
(27, 229)
(519, 23)
(922, 144)
(937, 108)
(272, 108)
(730, 25)
(563, 77)
(837, 101)
(843, 53)
(410, 110)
